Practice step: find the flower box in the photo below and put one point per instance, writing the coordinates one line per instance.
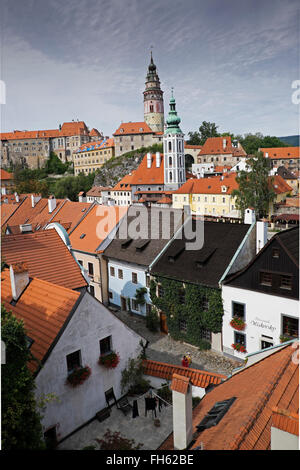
(237, 323)
(78, 376)
(239, 347)
(110, 360)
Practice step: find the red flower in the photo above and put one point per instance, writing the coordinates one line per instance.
(110, 360)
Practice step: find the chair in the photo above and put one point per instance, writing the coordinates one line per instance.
(110, 396)
(124, 405)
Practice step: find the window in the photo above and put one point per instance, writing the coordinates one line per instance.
(275, 253)
(73, 360)
(238, 310)
(134, 305)
(112, 271)
(205, 303)
(80, 262)
(160, 291)
(105, 345)
(110, 295)
(120, 273)
(240, 338)
(290, 327)
(182, 326)
(92, 290)
(205, 334)
(265, 279)
(286, 282)
(147, 280)
(91, 269)
(134, 278)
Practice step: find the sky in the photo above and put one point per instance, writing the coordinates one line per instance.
(231, 62)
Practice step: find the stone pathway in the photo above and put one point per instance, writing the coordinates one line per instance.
(165, 349)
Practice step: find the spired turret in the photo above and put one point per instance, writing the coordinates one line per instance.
(153, 100)
(173, 141)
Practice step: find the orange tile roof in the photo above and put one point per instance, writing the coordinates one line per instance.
(292, 201)
(44, 307)
(133, 128)
(47, 257)
(198, 378)
(221, 168)
(96, 145)
(6, 211)
(211, 185)
(70, 213)
(214, 146)
(4, 175)
(189, 146)
(278, 153)
(280, 185)
(91, 231)
(94, 132)
(180, 383)
(272, 381)
(153, 175)
(68, 129)
(125, 183)
(96, 191)
(164, 200)
(288, 422)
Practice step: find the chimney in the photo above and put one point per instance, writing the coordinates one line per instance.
(34, 199)
(284, 430)
(148, 160)
(25, 228)
(224, 144)
(182, 411)
(249, 216)
(19, 279)
(51, 204)
(158, 159)
(5, 200)
(261, 234)
(266, 155)
(17, 197)
(3, 191)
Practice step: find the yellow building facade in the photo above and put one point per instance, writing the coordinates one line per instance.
(92, 156)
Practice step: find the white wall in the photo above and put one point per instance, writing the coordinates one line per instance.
(90, 323)
(263, 316)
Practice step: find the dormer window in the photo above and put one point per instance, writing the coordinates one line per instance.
(122, 130)
(224, 189)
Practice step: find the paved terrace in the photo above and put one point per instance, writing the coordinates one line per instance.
(141, 428)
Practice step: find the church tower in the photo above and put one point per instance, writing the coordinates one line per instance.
(153, 100)
(173, 141)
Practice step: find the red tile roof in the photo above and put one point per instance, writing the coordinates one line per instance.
(268, 383)
(133, 128)
(97, 145)
(280, 185)
(278, 153)
(94, 132)
(198, 378)
(44, 307)
(153, 175)
(164, 200)
(96, 191)
(47, 257)
(211, 185)
(6, 211)
(180, 384)
(4, 175)
(70, 213)
(67, 129)
(288, 422)
(189, 146)
(92, 230)
(214, 146)
(125, 183)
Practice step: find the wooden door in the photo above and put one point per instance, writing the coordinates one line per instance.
(163, 323)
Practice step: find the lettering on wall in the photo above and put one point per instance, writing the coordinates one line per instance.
(263, 324)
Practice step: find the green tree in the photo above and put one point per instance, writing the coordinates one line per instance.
(32, 186)
(255, 187)
(21, 427)
(252, 142)
(206, 130)
(70, 186)
(55, 166)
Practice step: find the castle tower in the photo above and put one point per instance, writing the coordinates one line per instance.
(153, 100)
(173, 141)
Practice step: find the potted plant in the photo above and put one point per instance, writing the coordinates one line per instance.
(239, 347)
(157, 422)
(78, 376)
(238, 323)
(110, 360)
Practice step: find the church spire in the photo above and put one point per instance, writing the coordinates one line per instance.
(173, 120)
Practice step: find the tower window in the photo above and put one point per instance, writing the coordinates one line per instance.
(170, 176)
(170, 161)
(170, 146)
(151, 108)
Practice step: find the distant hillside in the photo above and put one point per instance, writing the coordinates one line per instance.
(116, 168)
(291, 140)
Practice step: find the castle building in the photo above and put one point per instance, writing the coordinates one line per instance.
(173, 141)
(153, 100)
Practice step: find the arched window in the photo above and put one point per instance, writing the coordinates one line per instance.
(170, 176)
(151, 108)
(170, 161)
(170, 146)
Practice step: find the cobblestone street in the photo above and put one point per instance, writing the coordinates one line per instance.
(163, 348)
